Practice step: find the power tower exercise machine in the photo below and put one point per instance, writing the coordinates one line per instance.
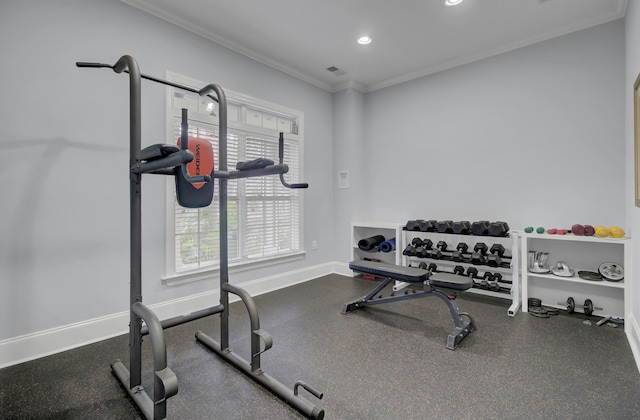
(191, 163)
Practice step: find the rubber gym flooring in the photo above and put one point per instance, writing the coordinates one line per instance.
(385, 362)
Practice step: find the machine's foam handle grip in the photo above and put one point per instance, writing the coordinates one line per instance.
(184, 130)
(87, 64)
(281, 148)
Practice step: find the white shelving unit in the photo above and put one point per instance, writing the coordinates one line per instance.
(510, 275)
(363, 230)
(581, 253)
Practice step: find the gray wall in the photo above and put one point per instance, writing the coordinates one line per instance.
(534, 136)
(64, 217)
(349, 142)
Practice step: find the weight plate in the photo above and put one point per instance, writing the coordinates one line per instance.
(539, 315)
(611, 271)
(571, 305)
(534, 302)
(588, 307)
(537, 310)
(589, 275)
(552, 311)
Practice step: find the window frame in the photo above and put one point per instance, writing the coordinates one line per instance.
(242, 102)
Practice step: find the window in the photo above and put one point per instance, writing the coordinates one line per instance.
(264, 217)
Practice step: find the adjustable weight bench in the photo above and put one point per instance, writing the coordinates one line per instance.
(441, 285)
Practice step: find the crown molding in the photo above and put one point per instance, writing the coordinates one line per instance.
(148, 7)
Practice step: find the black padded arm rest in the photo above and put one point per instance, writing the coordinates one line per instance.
(450, 281)
(157, 151)
(254, 164)
(397, 272)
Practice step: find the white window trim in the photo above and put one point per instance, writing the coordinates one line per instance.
(171, 277)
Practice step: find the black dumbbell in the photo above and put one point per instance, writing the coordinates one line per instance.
(498, 229)
(427, 225)
(458, 254)
(472, 273)
(445, 226)
(422, 251)
(412, 225)
(479, 253)
(497, 249)
(494, 260)
(436, 253)
(433, 267)
(495, 279)
(461, 228)
(416, 242)
(486, 278)
(409, 251)
(497, 255)
(480, 228)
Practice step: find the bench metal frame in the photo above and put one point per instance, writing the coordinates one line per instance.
(462, 327)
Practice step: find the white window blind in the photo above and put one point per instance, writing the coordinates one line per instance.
(263, 215)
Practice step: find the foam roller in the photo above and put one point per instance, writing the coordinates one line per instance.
(388, 245)
(369, 244)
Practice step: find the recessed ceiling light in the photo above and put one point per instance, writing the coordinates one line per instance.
(452, 2)
(364, 40)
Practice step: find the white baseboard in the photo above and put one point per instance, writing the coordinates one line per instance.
(342, 269)
(44, 343)
(633, 336)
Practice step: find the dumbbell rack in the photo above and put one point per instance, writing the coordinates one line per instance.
(510, 272)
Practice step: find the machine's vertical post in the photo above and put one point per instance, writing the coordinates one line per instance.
(135, 136)
(222, 191)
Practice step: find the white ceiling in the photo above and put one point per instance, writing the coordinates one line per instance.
(411, 38)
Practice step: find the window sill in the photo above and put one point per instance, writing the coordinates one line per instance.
(210, 272)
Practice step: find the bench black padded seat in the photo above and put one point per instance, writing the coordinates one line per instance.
(444, 286)
(451, 281)
(412, 274)
(397, 272)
